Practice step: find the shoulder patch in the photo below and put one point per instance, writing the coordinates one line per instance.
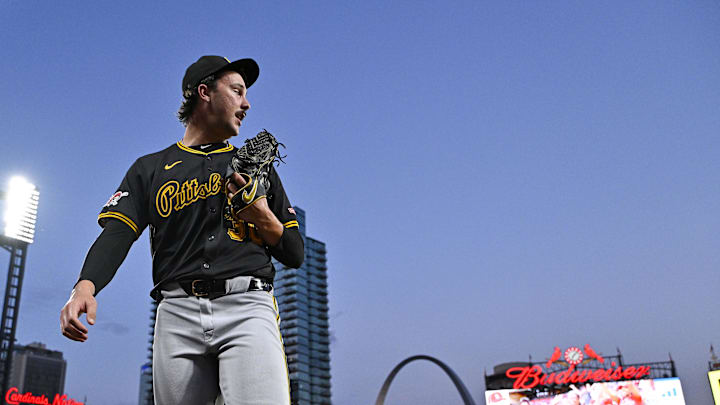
(116, 197)
(291, 210)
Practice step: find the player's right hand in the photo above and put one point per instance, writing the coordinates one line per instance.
(81, 302)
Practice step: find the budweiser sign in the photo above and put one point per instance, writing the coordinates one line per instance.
(532, 376)
(13, 397)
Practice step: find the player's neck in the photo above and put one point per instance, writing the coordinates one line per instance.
(196, 135)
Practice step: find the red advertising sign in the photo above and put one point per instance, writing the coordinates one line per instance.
(532, 376)
(13, 397)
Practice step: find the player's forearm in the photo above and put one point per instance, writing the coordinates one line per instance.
(269, 227)
(290, 250)
(106, 255)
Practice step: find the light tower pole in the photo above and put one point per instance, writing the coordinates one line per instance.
(21, 204)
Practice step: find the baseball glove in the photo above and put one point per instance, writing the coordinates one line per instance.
(252, 161)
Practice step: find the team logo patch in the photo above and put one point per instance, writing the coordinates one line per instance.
(291, 210)
(116, 197)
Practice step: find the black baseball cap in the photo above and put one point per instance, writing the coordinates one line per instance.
(210, 64)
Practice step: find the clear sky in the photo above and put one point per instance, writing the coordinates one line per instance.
(492, 179)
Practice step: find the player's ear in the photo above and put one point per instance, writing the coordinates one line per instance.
(203, 92)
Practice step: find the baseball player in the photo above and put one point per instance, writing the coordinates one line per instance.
(216, 329)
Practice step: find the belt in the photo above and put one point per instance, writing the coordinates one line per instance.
(217, 288)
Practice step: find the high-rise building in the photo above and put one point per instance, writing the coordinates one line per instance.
(146, 386)
(146, 393)
(37, 370)
(303, 303)
(714, 363)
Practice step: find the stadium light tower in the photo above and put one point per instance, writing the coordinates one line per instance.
(21, 205)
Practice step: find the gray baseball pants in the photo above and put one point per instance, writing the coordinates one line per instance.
(229, 345)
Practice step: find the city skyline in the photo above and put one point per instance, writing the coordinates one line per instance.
(499, 369)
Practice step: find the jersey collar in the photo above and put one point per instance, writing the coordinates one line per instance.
(180, 145)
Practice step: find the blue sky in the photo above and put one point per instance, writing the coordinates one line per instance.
(492, 179)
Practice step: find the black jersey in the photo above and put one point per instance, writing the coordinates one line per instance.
(179, 193)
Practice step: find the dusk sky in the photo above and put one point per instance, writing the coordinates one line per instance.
(492, 179)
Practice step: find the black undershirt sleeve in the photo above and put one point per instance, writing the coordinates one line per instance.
(290, 250)
(107, 253)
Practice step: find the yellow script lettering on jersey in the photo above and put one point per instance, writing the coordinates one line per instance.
(173, 196)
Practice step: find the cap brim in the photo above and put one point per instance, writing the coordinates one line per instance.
(247, 68)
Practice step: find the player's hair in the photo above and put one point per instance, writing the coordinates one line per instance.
(191, 97)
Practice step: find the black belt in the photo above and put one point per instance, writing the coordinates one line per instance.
(216, 288)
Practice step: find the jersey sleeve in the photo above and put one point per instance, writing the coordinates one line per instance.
(279, 203)
(107, 254)
(130, 201)
(290, 250)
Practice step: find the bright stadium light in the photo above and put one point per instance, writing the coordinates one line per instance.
(21, 205)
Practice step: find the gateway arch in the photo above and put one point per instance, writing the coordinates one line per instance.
(467, 399)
